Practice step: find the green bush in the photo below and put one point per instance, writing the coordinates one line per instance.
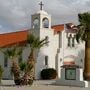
(1, 72)
(48, 73)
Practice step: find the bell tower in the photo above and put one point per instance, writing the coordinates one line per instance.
(41, 19)
(41, 27)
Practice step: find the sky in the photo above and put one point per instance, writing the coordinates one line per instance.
(15, 15)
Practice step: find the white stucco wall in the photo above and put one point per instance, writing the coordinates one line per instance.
(6, 70)
(78, 50)
(49, 50)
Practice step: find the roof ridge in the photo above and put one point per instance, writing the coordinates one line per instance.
(14, 32)
(56, 25)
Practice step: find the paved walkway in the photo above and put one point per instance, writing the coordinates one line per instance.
(38, 85)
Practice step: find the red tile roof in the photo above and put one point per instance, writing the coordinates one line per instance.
(13, 38)
(58, 28)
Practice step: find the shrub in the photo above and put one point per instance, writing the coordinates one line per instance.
(48, 73)
(1, 72)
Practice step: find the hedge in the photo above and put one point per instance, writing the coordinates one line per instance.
(48, 73)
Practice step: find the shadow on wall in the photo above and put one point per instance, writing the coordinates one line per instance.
(39, 65)
(81, 57)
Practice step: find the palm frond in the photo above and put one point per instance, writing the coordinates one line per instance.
(43, 40)
(84, 27)
(35, 42)
(19, 51)
(42, 44)
(22, 66)
(7, 52)
(13, 51)
(30, 38)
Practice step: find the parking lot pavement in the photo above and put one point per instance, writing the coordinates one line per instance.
(38, 85)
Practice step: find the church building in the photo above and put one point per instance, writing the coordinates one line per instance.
(61, 49)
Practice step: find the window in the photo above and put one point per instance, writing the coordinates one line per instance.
(69, 40)
(73, 41)
(36, 23)
(46, 60)
(5, 61)
(45, 23)
(47, 40)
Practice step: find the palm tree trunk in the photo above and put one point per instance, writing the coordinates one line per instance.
(29, 74)
(16, 69)
(31, 60)
(31, 56)
(87, 61)
(16, 72)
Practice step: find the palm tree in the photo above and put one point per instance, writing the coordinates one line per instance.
(84, 34)
(1, 73)
(12, 53)
(34, 43)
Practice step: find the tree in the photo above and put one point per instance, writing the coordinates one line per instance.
(12, 53)
(84, 35)
(1, 73)
(34, 43)
(25, 71)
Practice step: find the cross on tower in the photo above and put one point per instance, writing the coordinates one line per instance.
(41, 5)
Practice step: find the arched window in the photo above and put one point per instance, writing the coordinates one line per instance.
(35, 23)
(45, 23)
(69, 40)
(73, 41)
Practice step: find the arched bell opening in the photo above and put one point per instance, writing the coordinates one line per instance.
(45, 23)
(35, 23)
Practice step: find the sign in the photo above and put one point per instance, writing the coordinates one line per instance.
(70, 74)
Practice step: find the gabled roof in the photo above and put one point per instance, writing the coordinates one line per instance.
(8, 39)
(19, 37)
